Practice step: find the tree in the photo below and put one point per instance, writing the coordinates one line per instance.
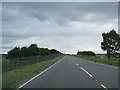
(24, 52)
(14, 53)
(44, 51)
(54, 51)
(88, 53)
(33, 50)
(111, 42)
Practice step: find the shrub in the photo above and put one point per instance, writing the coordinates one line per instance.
(88, 53)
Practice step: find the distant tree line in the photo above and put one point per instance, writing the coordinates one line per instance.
(88, 53)
(110, 44)
(32, 50)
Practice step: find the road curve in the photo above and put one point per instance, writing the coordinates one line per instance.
(72, 72)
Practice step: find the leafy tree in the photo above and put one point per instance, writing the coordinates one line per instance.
(111, 42)
(33, 50)
(54, 51)
(24, 52)
(44, 51)
(14, 53)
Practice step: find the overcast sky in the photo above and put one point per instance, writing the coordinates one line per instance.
(67, 27)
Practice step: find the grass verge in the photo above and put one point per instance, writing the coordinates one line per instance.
(104, 60)
(13, 76)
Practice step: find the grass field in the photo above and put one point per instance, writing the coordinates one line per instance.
(15, 75)
(100, 59)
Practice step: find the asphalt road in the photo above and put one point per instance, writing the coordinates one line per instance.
(72, 72)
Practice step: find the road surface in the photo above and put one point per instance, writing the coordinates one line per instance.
(72, 72)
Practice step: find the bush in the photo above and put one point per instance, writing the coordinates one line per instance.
(32, 50)
(88, 53)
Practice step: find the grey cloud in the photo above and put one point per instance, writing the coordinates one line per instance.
(62, 12)
(22, 21)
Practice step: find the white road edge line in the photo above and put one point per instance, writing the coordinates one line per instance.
(38, 75)
(104, 87)
(86, 72)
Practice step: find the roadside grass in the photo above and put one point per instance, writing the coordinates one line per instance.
(13, 76)
(14, 63)
(100, 59)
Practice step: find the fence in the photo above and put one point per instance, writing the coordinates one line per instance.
(14, 63)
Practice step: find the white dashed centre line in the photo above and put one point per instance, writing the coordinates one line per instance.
(104, 87)
(76, 64)
(86, 72)
(92, 76)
